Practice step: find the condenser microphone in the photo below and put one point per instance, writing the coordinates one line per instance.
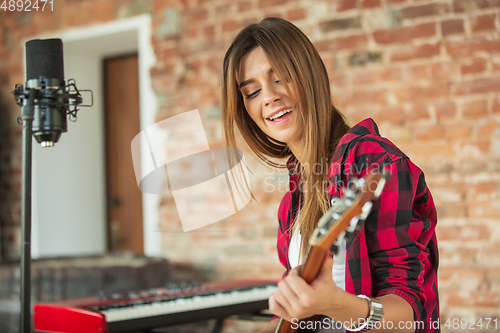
(45, 73)
(47, 97)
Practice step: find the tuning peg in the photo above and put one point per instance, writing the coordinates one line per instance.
(380, 187)
(386, 175)
(349, 192)
(334, 248)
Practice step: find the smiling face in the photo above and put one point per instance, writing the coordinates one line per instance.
(266, 99)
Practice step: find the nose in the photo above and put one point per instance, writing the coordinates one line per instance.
(270, 95)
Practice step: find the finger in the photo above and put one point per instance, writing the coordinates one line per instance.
(294, 271)
(285, 295)
(293, 285)
(325, 273)
(276, 308)
(297, 284)
(327, 265)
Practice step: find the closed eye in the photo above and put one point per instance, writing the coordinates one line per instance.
(252, 94)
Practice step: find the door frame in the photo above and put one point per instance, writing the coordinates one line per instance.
(138, 29)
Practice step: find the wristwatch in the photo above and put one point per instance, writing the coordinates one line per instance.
(375, 314)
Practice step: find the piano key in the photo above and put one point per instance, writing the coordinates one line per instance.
(183, 304)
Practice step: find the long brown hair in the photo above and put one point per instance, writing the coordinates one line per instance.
(299, 67)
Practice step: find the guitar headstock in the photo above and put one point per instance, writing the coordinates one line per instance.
(348, 213)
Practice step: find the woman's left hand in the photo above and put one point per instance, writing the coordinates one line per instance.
(295, 298)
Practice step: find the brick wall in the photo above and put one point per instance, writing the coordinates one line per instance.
(428, 71)
(10, 214)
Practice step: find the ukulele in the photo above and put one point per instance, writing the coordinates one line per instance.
(334, 227)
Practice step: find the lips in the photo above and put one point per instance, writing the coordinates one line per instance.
(279, 113)
(280, 118)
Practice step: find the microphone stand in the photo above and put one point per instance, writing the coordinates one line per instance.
(28, 110)
(52, 101)
(69, 101)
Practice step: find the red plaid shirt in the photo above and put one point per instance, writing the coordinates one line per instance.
(396, 251)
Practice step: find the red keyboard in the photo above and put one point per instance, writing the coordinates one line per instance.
(154, 308)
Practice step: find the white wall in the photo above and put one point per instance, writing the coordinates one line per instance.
(69, 185)
(69, 178)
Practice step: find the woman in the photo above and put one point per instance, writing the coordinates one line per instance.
(275, 88)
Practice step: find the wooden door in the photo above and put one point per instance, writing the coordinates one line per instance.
(121, 86)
